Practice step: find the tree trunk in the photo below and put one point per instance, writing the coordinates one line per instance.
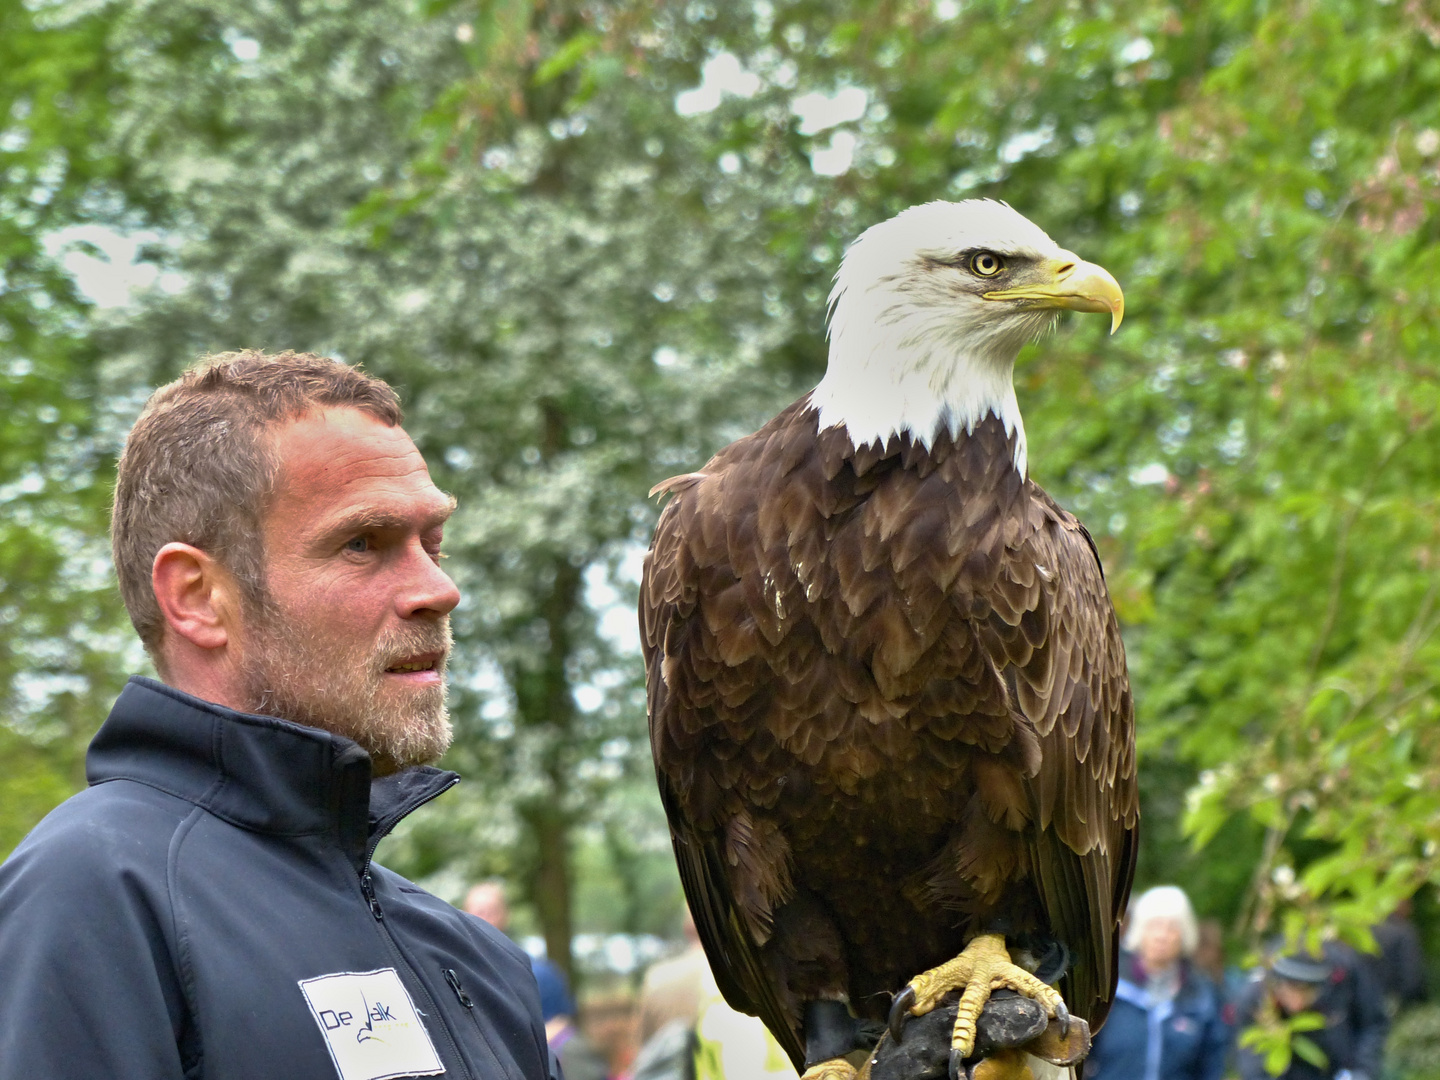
(551, 887)
(545, 704)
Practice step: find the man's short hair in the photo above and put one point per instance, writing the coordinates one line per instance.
(197, 468)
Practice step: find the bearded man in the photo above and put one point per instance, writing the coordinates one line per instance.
(208, 907)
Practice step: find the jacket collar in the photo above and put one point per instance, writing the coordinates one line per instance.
(258, 772)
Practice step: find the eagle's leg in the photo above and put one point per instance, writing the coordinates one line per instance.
(831, 1033)
(806, 957)
(982, 967)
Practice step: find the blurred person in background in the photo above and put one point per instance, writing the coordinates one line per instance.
(688, 1032)
(610, 1016)
(669, 1006)
(1229, 980)
(578, 1058)
(1399, 967)
(671, 988)
(731, 1045)
(1337, 985)
(1165, 1022)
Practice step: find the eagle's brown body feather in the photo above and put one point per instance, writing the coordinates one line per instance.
(888, 703)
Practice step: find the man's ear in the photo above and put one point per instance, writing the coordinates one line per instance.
(197, 596)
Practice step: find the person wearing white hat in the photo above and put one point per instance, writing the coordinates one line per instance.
(1166, 1022)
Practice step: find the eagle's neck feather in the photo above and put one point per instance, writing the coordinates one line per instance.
(917, 374)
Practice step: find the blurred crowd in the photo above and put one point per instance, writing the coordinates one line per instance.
(1178, 1010)
(1179, 1007)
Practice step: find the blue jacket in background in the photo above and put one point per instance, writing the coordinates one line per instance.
(1185, 1038)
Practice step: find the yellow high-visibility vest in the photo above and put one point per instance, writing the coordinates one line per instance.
(733, 1046)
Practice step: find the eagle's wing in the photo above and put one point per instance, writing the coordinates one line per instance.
(1073, 687)
(668, 598)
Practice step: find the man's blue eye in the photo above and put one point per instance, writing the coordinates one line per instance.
(360, 543)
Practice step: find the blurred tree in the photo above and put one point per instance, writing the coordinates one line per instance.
(62, 651)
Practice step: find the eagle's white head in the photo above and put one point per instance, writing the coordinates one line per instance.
(929, 311)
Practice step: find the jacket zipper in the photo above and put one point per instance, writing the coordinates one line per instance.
(453, 978)
(367, 890)
(454, 981)
(367, 887)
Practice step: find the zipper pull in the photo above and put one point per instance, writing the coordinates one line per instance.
(454, 981)
(368, 889)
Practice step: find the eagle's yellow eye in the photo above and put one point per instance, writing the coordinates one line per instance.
(986, 263)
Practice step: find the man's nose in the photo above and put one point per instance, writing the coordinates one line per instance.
(428, 588)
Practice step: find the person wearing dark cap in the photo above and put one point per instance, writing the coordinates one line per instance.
(1338, 986)
(1399, 967)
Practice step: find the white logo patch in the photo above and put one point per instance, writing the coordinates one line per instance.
(370, 1025)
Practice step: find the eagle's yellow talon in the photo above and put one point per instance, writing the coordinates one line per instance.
(834, 1069)
(1004, 1065)
(984, 966)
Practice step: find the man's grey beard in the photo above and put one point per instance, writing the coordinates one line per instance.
(291, 674)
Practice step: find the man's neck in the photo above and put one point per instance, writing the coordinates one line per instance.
(208, 678)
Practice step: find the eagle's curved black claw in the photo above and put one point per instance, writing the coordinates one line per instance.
(899, 1011)
(1062, 1017)
(957, 1067)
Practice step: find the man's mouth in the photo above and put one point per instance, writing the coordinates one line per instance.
(414, 664)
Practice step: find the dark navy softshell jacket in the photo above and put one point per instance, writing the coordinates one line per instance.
(158, 925)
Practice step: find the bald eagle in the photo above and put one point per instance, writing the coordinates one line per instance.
(887, 695)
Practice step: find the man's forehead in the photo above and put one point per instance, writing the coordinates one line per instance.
(335, 460)
(330, 440)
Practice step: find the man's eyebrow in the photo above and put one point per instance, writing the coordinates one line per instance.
(380, 520)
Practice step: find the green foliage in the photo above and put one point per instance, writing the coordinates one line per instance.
(61, 646)
(1413, 1049)
(34, 782)
(1278, 1039)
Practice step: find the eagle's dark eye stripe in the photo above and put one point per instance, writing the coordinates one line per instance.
(952, 262)
(965, 260)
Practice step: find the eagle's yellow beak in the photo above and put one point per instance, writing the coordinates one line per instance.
(1069, 282)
